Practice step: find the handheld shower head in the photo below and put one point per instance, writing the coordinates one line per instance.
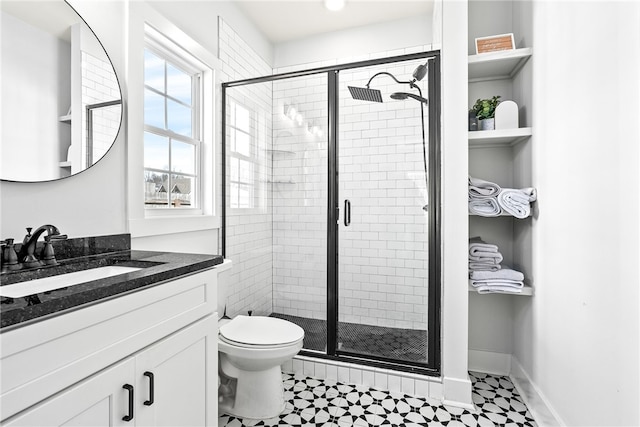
(405, 95)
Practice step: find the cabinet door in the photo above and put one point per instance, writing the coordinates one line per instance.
(99, 400)
(177, 378)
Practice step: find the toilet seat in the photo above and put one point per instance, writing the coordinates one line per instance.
(254, 346)
(260, 332)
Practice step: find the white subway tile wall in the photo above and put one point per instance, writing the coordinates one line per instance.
(249, 229)
(99, 84)
(383, 253)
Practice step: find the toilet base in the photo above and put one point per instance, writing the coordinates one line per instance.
(258, 395)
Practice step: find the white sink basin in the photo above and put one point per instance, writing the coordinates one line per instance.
(23, 289)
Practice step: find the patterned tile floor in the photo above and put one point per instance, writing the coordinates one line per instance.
(393, 343)
(327, 403)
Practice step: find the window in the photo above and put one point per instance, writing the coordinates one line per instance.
(246, 157)
(172, 129)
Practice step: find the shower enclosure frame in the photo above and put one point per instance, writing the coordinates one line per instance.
(432, 58)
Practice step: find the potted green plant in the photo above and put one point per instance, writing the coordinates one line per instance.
(485, 110)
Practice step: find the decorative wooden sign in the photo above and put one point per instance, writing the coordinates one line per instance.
(495, 43)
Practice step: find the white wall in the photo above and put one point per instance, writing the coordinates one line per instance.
(355, 42)
(577, 338)
(455, 298)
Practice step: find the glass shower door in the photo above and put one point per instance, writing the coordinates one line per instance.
(298, 187)
(383, 237)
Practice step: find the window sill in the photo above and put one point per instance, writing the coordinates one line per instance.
(159, 225)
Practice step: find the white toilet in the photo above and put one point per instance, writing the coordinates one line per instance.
(251, 350)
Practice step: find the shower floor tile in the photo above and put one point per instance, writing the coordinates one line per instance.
(392, 343)
(313, 402)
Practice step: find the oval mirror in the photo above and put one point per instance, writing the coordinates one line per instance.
(61, 102)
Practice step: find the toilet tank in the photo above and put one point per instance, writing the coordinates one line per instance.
(224, 281)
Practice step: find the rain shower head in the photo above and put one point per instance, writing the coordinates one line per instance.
(405, 95)
(365, 94)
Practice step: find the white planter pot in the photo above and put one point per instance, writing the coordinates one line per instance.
(487, 124)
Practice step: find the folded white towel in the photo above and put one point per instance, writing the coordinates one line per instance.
(502, 274)
(481, 189)
(486, 257)
(495, 289)
(517, 202)
(484, 207)
(483, 266)
(474, 248)
(497, 282)
(503, 286)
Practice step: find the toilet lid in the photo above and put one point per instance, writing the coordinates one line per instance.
(260, 330)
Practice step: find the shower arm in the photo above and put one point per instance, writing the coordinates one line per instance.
(410, 83)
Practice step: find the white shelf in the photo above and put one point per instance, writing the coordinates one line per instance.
(281, 152)
(499, 137)
(503, 214)
(280, 182)
(526, 291)
(497, 65)
(65, 119)
(64, 164)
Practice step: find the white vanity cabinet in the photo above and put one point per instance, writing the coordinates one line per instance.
(100, 400)
(157, 346)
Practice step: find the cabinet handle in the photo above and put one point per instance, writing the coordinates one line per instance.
(129, 388)
(151, 384)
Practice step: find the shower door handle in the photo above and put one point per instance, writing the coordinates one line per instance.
(347, 212)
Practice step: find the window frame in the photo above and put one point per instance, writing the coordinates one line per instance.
(190, 66)
(146, 22)
(257, 186)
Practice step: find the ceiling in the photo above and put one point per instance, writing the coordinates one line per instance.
(54, 17)
(281, 21)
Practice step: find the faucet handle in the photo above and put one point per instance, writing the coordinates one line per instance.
(9, 256)
(48, 256)
(28, 236)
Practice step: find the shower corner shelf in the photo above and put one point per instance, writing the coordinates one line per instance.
(66, 164)
(291, 182)
(498, 137)
(281, 152)
(65, 119)
(497, 65)
(527, 291)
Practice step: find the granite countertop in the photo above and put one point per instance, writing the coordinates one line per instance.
(155, 268)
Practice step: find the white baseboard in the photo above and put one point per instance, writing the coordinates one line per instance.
(536, 402)
(457, 392)
(489, 362)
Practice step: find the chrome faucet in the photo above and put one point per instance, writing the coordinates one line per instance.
(27, 252)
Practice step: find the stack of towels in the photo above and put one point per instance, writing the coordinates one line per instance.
(486, 274)
(488, 199)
